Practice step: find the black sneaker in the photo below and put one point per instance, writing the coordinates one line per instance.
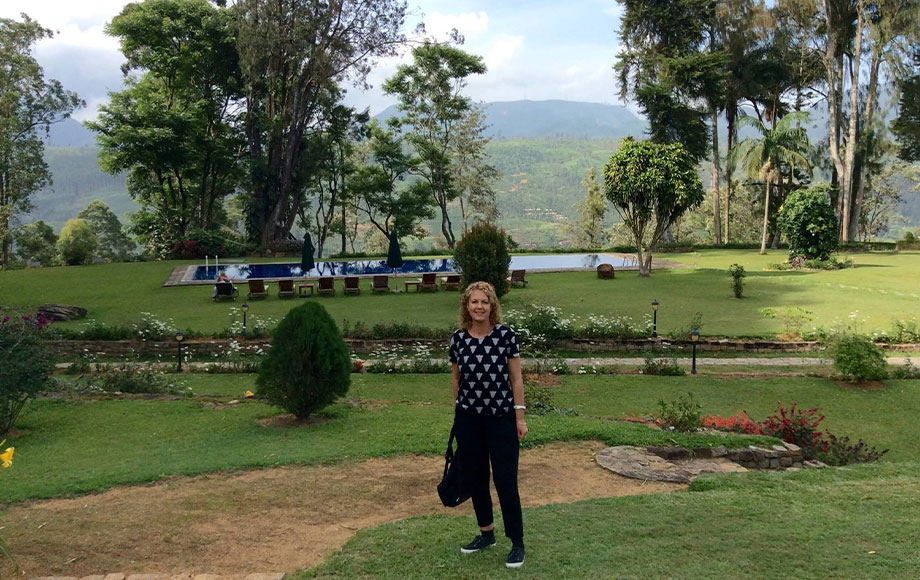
(516, 557)
(477, 544)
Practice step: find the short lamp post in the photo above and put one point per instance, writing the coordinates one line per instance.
(694, 340)
(179, 338)
(654, 318)
(245, 309)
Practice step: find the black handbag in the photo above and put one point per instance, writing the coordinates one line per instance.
(453, 488)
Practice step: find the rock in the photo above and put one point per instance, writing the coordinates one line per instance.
(605, 271)
(62, 311)
(815, 464)
(669, 453)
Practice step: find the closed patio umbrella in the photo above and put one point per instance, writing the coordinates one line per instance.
(306, 257)
(394, 256)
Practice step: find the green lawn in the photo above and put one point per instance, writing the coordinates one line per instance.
(850, 523)
(882, 287)
(75, 445)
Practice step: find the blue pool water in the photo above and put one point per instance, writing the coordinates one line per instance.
(362, 267)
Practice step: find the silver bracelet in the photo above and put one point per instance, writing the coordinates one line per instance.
(521, 407)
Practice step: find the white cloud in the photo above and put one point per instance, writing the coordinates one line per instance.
(502, 51)
(471, 25)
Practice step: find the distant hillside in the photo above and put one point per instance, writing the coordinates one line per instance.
(558, 119)
(541, 171)
(70, 133)
(78, 181)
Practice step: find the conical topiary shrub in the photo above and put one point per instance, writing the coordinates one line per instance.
(482, 255)
(308, 365)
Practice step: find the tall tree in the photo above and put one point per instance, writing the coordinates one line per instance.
(29, 105)
(291, 53)
(329, 163)
(587, 231)
(175, 128)
(865, 42)
(906, 126)
(431, 100)
(664, 67)
(473, 174)
(651, 185)
(114, 243)
(776, 153)
(379, 189)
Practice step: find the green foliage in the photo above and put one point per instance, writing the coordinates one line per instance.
(77, 242)
(36, 242)
(133, 378)
(808, 221)
(651, 185)
(26, 365)
(171, 128)
(737, 273)
(666, 367)
(906, 126)
(539, 399)
(291, 57)
(375, 185)
(430, 96)
(840, 451)
(587, 230)
(683, 414)
(308, 366)
(114, 243)
(857, 358)
(29, 104)
(482, 256)
(537, 324)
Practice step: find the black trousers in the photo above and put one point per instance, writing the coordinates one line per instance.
(482, 440)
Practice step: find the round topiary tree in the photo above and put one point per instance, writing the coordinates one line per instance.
(482, 255)
(77, 242)
(308, 365)
(807, 220)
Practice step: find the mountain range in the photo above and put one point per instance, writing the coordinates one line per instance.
(543, 150)
(506, 120)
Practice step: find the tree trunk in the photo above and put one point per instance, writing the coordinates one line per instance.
(833, 68)
(446, 228)
(766, 216)
(640, 261)
(846, 234)
(714, 178)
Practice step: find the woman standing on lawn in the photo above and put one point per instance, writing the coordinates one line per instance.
(489, 402)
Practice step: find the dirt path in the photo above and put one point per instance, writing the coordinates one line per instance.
(273, 520)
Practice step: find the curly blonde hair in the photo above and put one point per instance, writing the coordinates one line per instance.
(495, 314)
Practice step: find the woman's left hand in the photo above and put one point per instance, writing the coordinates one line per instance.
(521, 429)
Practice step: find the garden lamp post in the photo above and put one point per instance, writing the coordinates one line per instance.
(694, 340)
(179, 338)
(245, 309)
(654, 318)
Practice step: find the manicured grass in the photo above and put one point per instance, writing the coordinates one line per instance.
(881, 287)
(79, 446)
(883, 418)
(847, 523)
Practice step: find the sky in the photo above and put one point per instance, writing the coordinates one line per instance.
(534, 49)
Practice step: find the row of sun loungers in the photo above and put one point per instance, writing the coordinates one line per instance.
(325, 286)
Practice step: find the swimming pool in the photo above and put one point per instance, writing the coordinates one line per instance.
(368, 267)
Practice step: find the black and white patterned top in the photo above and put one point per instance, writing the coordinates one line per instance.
(484, 385)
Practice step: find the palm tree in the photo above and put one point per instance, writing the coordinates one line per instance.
(779, 147)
